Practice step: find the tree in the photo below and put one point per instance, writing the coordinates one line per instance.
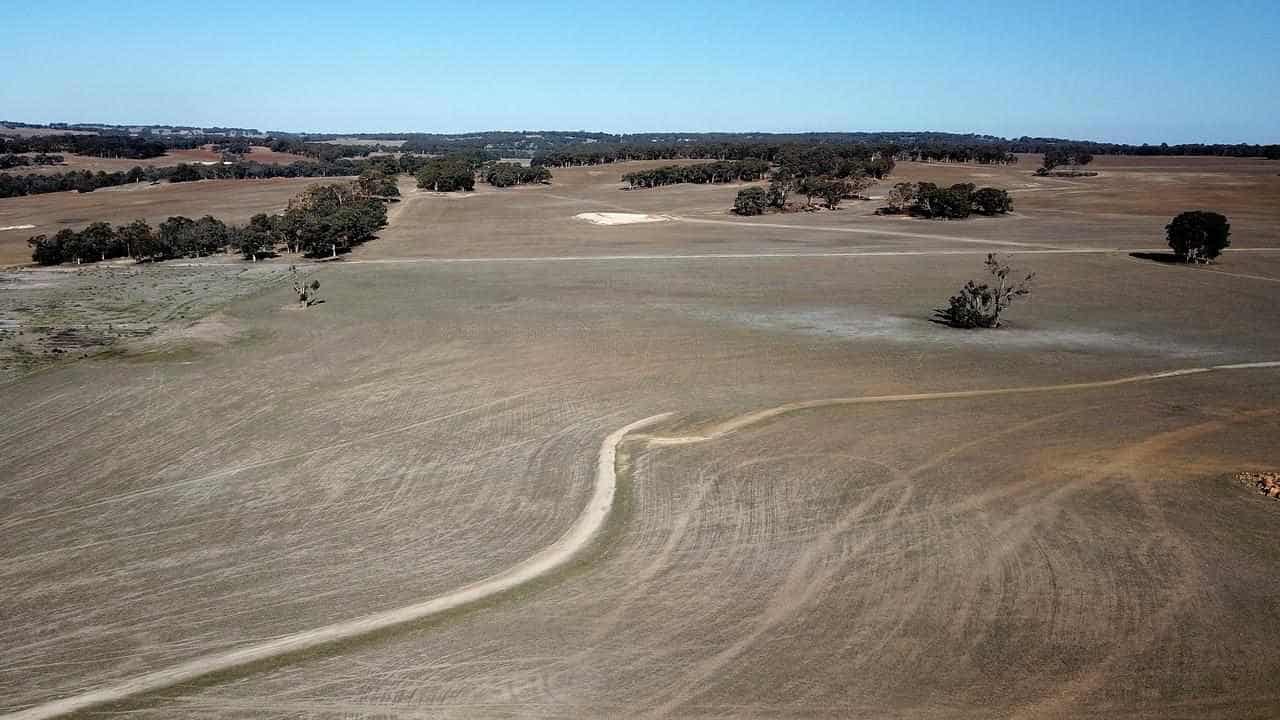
(135, 237)
(251, 240)
(991, 201)
(308, 293)
(901, 197)
(751, 201)
(832, 191)
(953, 203)
(173, 238)
(446, 175)
(858, 184)
(376, 184)
(1198, 235)
(46, 250)
(980, 306)
(208, 235)
(98, 239)
(185, 173)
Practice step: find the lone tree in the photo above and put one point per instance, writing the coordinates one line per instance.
(751, 201)
(1198, 235)
(979, 306)
(308, 293)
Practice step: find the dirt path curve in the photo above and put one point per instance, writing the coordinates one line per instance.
(733, 424)
(579, 535)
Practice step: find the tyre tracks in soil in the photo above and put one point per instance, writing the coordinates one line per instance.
(580, 534)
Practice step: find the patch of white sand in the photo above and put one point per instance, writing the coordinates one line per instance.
(618, 218)
(16, 227)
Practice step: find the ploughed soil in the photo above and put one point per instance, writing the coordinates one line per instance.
(1073, 553)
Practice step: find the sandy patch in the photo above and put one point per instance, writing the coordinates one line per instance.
(16, 227)
(617, 218)
(215, 330)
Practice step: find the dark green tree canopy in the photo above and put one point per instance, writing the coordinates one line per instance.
(1198, 235)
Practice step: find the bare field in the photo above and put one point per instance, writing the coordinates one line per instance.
(72, 161)
(1070, 550)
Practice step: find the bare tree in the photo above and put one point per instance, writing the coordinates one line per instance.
(308, 293)
(980, 306)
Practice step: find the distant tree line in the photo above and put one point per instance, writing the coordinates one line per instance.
(322, 221)
(87, 180)
(979, 154)
(1044, 145)
(1074, 158)
(9, 160)
(105, 146)
(557, 148)
(324, 152)
(506, 174)
(927, 200)
(141, 147)
(723, 171)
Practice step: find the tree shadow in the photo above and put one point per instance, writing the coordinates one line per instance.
(1160, 257)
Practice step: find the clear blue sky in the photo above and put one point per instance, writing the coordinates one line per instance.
(1095, 69)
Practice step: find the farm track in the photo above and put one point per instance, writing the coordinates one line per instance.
(585, 527)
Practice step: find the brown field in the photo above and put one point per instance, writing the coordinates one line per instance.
(72, 161)
(958, 524)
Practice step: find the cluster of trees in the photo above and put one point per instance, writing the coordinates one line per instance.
(1072, 157)
(80, 180)
(322, 151)
(88, 180)
(831, 190)
(176, 237)
(723, 171)
(830, 172)
(322, 221)
(9, 160)
(250, 170)
(458, 171)
(980, 154)
(927, 200)
(506, 174)
(106, 146)
(448, 174)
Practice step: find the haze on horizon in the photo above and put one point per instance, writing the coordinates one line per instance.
(1124, 72)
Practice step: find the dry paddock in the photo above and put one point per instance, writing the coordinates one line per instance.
(1071, 552)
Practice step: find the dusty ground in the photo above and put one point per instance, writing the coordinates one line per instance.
(1075, 553)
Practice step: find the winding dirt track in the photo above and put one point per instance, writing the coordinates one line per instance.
(578, 536)
(585, 527)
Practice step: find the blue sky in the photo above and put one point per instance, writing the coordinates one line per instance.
(1122, 71)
